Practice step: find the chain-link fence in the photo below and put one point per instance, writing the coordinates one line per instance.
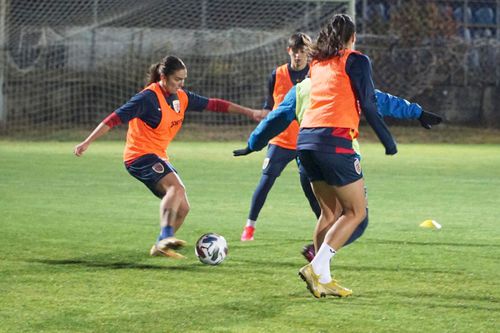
(443, 54)
(67, 64)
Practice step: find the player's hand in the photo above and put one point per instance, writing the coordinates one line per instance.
(242, 152)
(80, 148)
(264, 113)
(427, 119)
(258, 115)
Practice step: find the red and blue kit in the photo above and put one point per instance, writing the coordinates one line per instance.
(149, 169)
(143, 139)
(340, 88)
(155, 117)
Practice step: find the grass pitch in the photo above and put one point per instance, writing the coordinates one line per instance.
(75, 235)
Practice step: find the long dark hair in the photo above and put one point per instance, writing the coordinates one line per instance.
(168, 66)
(333, 37)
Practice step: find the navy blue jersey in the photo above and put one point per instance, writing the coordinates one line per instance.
(144, 106)
(295, 76)
(358, 67)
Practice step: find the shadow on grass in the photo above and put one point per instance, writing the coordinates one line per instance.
(399, 242)
(113, 265)
(396, 269)
(432, 300)
(452, 297)
(268, 243)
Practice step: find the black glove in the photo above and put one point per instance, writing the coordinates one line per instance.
(427, 119)
(242, 152)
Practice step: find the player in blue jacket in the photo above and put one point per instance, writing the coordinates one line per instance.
(292, 108)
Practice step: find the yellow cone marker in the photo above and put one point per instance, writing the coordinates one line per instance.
(430, 224)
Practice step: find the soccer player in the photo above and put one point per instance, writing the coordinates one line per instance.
(282, 148)
(154, 117)
(292, 108)
(325, 144)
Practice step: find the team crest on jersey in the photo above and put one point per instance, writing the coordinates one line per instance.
(357, 166)
(158, 168)
(177, 105)
(266, 163)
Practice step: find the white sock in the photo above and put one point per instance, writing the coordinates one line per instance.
(321, 263)
(251, 223)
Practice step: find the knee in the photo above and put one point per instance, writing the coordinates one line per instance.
(177, 191)
(268, 179)
(173, 195)
(327, 216)
(357, 214)
(361, 214)
(359, 231)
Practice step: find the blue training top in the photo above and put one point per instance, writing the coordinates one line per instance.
(278, 120)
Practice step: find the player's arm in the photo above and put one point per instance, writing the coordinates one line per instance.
(136, 107)
(391, 106)
(275, 123)
(400, 108)
(200, 103)
(358, 68)
(99, 131)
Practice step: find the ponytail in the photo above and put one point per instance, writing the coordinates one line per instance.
(154, 73)
(168, 66)
(333, 37)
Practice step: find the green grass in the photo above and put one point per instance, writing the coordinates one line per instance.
(75, 235)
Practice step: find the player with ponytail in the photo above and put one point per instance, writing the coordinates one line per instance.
(154, 117)
(341, 88)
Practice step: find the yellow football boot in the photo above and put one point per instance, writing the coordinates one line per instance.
(333, 288)
(166, 247)
(311, 279)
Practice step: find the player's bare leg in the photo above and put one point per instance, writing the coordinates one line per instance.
(351, 199)
(353, 203)
(174, 208)
(309, 251)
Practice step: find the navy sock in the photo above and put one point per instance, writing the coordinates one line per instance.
(166, 231)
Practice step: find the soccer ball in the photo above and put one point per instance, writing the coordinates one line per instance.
(211, 249)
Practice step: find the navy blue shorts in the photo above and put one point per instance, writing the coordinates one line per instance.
(277, 159)
(334, 169)
(149, 169)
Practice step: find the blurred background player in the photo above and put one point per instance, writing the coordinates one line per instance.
(325, 144)
(154, 117)
(282, 149)
(292, 108)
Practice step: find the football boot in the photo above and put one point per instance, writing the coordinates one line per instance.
(333, 288)
(308, 252)
(247, 234)
(167, 247)
(307, 274)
